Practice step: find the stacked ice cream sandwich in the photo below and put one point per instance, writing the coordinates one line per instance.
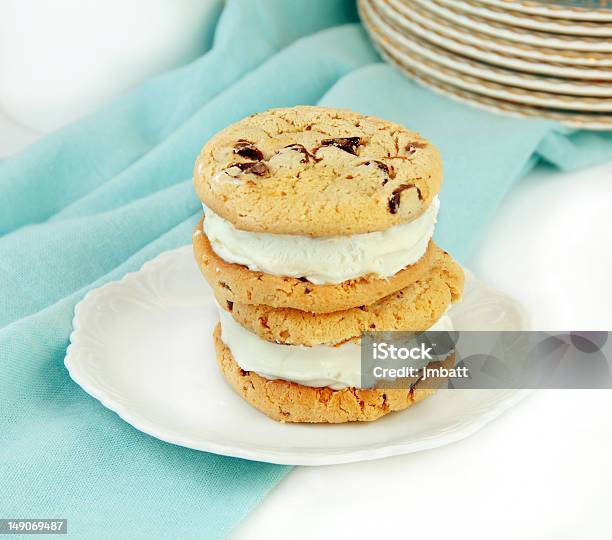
(317, 228)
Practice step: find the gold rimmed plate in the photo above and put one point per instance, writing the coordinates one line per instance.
(392, 29)
(446, 83)
(511, 33)
(540, 23)
(511, 54)
(520, 57)
(586, 10)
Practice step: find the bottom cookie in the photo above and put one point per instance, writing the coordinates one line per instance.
(290, 402)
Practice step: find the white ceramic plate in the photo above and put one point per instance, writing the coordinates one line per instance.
(142, 346)
(511, 33)
(491, 89)
(535, 22)
(493, 49)
(560, 9)
(573, 119)
(576, 120)
(384, 24)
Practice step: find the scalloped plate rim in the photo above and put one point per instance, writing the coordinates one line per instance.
(286, 456)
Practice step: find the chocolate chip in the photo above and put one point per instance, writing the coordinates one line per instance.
(242, 166)
(413, 387)
(348, 144)
(248, 150)
(254, 167)
(394, 200)
(382, 166)
(224, 285)
(300, 148)
(230, 305)
(388, 170)
(411, 147)
(259, 168)
(263, 320)
(303, 279)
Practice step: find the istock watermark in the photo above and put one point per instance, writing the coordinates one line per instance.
(470, 359)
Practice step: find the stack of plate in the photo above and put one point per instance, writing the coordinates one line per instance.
(527, 58)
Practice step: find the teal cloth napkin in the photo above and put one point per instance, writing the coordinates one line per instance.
(102, 196)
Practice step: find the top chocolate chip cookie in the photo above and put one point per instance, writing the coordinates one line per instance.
(317, 171)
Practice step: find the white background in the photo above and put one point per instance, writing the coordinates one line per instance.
(543, 470)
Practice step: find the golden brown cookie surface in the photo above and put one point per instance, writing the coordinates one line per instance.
(414, 308)
(317, 171)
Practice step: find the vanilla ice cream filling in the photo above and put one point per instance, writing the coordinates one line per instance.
(320, 365)
(327, 259)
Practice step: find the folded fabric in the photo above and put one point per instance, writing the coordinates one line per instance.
(102, 196)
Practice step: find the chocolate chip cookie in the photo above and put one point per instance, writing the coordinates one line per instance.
(317, 171)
